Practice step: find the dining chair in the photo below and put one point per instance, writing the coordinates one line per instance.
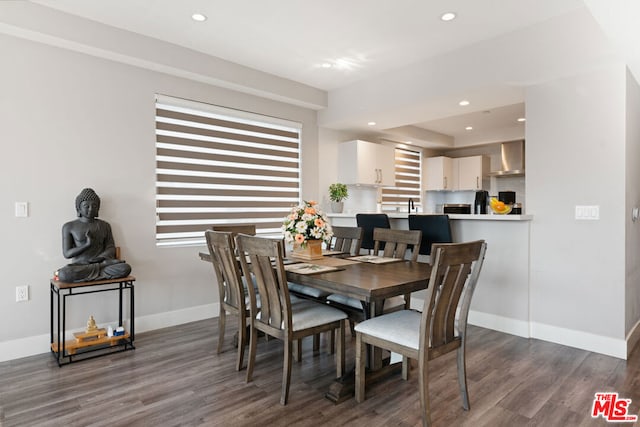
(435, 229)
(232, 289)
(397, 244)
(345, 239)
(438, 330)
(368, 222)
(277, 316)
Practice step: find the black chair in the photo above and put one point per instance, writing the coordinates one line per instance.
(435, 229)
(368, 222)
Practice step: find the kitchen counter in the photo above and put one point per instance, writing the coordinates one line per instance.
(501, 299)
(405, 215)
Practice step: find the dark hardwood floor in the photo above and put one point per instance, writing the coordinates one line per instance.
(175, 378)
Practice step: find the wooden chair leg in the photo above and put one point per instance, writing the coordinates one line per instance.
(332, 342)
(462, 377)
(424, 392)
(407, 301)
(297, 350)
(221, 326)
(352, 326)
(316, 343)
(405, 368)
(253, 342)
(340, 352)
(242, 340)
(361, 360)
(286, 372)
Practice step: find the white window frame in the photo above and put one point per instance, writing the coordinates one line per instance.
(216, 165)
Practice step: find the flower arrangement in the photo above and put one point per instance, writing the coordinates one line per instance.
(306, 222)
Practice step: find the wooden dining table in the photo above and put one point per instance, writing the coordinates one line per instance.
(368, 282)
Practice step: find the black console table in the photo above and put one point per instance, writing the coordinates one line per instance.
(94, 343)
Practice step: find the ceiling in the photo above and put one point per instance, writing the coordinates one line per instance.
(395, 62)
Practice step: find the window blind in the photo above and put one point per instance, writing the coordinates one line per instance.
(408, 172)
(215, 165)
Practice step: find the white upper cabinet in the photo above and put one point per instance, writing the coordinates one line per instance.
(462, 173)
(439, 173)
(366, 163)
(471, 172)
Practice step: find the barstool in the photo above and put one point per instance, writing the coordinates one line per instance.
(368, 222)
(435, 229)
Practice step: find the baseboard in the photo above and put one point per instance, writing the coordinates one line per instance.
(569, 337)
(38, 344)
(582, 340)
(31, 346)
(177, 317)
(24, 347)
(499, 323)
(633, 337)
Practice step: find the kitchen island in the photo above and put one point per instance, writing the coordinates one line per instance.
(501, 299)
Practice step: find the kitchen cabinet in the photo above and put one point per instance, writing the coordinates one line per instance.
(456, 174)
(472, 172)
(439, 173)
(365, 163)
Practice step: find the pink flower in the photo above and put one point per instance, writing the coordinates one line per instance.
(299, 238)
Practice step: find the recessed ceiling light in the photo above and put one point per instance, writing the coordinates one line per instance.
(371, 123)
(448, 16)
(326, 65)
(522, 119)
(199, 17)
(469, 128)
(463, 103)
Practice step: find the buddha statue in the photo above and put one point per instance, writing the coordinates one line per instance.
(89, 242)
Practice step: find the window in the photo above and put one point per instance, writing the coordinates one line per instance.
(408, 179)
(220, 166)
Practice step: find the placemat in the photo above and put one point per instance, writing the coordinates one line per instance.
(329, 252)
(332, 261)
(375, 259)
(306, 268)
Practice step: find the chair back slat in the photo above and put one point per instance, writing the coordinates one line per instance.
(443, 323)
(347, 239)
(236, 229)
(223, 257)
(397, 242)
(455, 271)
(266, 266)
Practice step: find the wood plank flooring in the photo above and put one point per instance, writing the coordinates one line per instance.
(175, 378)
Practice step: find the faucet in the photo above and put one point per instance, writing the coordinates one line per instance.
(411, 205)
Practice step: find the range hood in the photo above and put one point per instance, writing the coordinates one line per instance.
(512, 159)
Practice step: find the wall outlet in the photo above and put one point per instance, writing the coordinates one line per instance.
(22, 293)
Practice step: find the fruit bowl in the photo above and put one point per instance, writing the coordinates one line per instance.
(499, 207)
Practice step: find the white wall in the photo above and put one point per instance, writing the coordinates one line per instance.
(69, 121)
(575, 156)
(632, 200)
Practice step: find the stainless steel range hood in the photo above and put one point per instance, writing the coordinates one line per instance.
(512, 159)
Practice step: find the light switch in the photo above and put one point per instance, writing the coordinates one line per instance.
(22, 209)
(588, 212)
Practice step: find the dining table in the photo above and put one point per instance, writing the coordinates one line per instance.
(368, 279)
